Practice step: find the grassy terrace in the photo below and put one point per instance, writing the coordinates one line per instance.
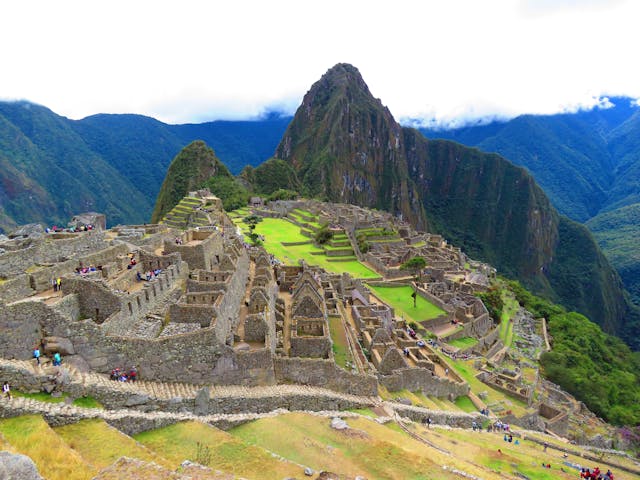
(341, 351)
(464, 342)
(276, 231)
(198, 442)
(506, 325)
(400, 299)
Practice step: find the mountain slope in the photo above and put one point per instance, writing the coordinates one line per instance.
(588, 163)
(345, 146)
(44, 155)
(194, 165)
(52, 167)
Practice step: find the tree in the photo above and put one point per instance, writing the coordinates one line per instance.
(415, 265)
(323, 235)
(252, 221)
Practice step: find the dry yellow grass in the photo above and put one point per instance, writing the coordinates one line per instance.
(368, 448)
(31, 436)
(100, 445)
(179, 442)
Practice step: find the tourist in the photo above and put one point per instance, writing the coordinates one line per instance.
(57, 359)
(133, 374)
(36, 354)
(59, 283)
(6, 390)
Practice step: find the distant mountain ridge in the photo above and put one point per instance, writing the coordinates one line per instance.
(52, 167)
(588, 163)
(345, 146)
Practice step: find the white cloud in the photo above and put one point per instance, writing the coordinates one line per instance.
(199, 60)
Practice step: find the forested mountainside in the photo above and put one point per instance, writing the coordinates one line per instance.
(52, 167)
(345, 146)
(588, 163)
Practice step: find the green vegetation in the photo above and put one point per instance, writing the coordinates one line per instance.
(194, 165)
(340, 346)
(464, 403)
(463, 342)
(274, 175)
(402, 300)
(40, 396)
(278, 232)
(229, 190)
(595, 367)
(323, 235)
(617, 233)
(87, 402)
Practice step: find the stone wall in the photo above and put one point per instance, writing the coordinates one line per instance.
(15, 288)
(307, 346)
(204, 254)
(20, 329)
(323, 373)
(438, 417)
(422, 379)
(47, 250)
(183, 313)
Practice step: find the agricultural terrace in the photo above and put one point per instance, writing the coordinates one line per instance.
(278, 232)
(399, 297)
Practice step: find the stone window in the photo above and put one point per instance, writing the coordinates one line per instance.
(130, 308)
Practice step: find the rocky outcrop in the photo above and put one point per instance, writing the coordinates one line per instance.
(14, 466)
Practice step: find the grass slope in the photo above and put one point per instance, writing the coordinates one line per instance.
(368, 448)
(31, 436)
(218, 449)
(100, 445)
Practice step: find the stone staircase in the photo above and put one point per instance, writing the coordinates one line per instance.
(186, 213)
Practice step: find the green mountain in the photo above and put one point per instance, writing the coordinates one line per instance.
(52, 167)
(588, 163)
(346, 147)
(190, 169)
(50, 173)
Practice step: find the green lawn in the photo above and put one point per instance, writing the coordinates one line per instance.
(276, 231)
(464, 342)
(400, 299)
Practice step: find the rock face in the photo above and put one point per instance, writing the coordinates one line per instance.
(17, 467)
(345, 146)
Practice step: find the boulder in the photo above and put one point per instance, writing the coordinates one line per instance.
(17, 467)
(58, 344)
(308, 471)
(136, 399)
(339, 424)
(30, 230)
(202, 402)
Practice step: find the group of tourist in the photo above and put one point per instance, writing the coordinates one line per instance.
(149, 275)
(57, 229)
(86, 270)
(120, 375)
(56, 284)
(595, 474)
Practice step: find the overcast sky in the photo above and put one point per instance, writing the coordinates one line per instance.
(192, 61)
